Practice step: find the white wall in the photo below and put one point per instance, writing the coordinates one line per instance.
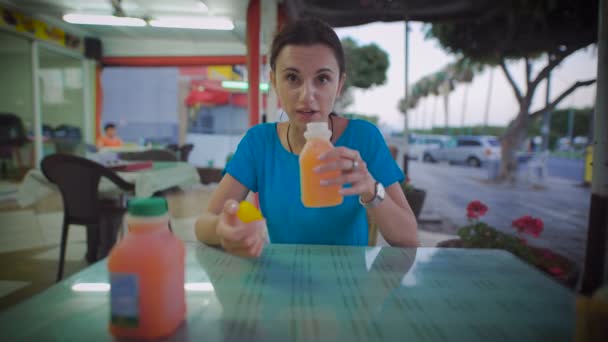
(211, 147)
(169, 47)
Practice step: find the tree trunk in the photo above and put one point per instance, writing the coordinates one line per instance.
(512, 139)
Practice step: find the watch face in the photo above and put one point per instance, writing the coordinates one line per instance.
(380, 193)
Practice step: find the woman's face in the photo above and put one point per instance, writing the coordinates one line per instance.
(307, 81)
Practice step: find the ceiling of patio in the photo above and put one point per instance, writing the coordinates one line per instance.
(121, 40)
(339, 13)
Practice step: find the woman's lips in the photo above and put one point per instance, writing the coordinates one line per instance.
(307, 112)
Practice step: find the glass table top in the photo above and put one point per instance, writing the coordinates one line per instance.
(325, 293)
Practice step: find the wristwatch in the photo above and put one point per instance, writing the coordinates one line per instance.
(378, 197)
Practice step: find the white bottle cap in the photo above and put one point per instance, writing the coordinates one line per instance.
(317, 130)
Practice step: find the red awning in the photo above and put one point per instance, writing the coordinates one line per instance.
(207, 92)
(211, 93)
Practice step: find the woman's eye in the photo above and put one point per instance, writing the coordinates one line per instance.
(324, 79)
(291, 77)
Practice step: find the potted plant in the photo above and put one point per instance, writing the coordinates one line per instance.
(478, 234)
(415, 197)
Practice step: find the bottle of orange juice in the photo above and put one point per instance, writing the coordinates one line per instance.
(315, 195)
(147, 298)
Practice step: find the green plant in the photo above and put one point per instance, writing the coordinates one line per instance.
(407, 185)
(478, 234)
(229, 156)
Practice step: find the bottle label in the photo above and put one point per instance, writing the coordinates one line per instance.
(124, 300)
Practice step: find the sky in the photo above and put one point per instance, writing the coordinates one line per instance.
(427, 57)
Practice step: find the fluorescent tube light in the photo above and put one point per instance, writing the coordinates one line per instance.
(96, 19)
(201, 23)
(242, 85)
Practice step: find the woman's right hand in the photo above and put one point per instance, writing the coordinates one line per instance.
(237, 237)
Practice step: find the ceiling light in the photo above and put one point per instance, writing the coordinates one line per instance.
(201, 23)
(95, 19)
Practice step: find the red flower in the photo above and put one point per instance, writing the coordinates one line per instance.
(476, 209)
(529, 225)
(556, 271)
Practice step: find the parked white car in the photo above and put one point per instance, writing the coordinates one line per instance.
(418, 143)
(470, 150)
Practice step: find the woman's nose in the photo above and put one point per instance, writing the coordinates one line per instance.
(307, 92)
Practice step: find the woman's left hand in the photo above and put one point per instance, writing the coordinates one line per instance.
(353, 170)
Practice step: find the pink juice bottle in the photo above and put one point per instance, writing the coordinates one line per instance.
(147, 271)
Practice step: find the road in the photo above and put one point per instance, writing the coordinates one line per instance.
(563, 205)
(572, 169)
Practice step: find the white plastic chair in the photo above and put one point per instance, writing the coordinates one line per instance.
(537, 167)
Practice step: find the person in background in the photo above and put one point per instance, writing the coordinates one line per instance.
(110, 138)
(308, 72)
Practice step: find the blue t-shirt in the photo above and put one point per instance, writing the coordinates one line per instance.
(263, 165)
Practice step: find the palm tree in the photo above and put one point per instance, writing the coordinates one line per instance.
(442, 83)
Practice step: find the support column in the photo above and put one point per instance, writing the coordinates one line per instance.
(596, 257)
(98, 102)
(37, 127)
(270, 20)
(87, 99)
(253, 61)
(183, 88)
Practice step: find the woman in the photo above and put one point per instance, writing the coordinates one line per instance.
(308, 72)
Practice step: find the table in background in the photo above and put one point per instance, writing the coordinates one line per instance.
(311, 293)
(124, 148)
(162, 176)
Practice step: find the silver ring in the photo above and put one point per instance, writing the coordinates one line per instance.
(355, 165)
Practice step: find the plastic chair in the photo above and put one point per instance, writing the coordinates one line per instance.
(184, 152)
(372, 230)
(67, 139)
(537, 167)
(78, 181)
(155, 155)
(12, 137)
(173, 147)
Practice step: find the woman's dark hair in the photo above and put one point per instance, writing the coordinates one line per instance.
(108, 126)
(308, 31)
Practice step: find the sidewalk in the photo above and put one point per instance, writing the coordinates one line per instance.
(562, 204)
(432, 228)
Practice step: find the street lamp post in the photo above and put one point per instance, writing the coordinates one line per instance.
(405, 116)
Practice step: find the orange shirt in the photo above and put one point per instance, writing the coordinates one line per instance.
(110, 142)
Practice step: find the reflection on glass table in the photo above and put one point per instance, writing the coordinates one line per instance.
(328, 293)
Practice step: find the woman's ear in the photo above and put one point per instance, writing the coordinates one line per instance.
(273, 80)
(341, 84)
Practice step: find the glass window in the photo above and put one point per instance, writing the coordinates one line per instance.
(468, 142)
(494, 142)
(451, 143)
(16, 96)
(61, 100)
(16, 102)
